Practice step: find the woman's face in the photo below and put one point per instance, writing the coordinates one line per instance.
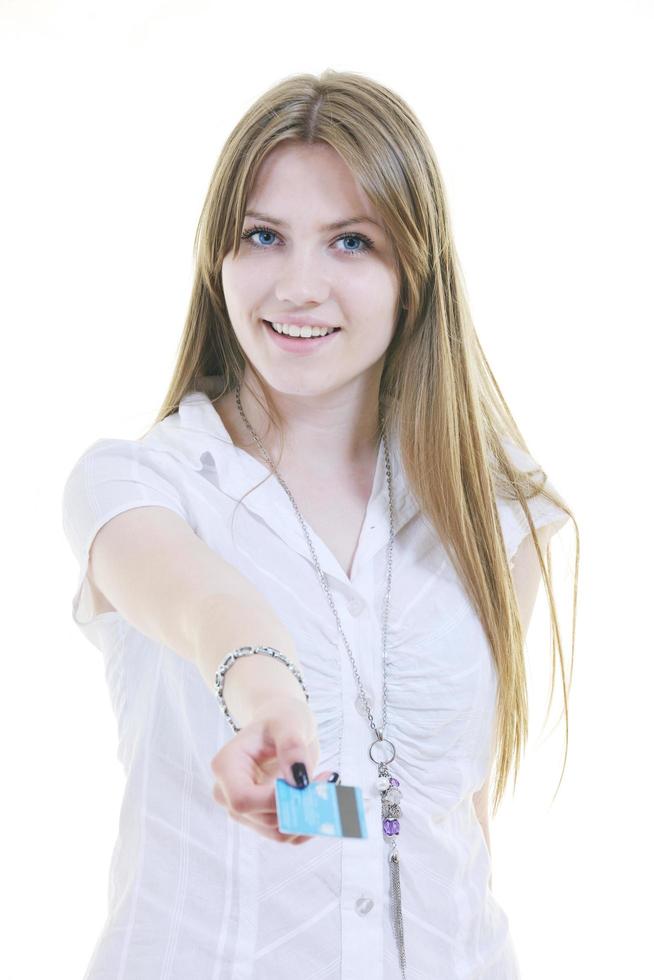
(345, 277)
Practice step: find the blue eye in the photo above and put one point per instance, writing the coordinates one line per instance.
(257, 231)
(367, 243)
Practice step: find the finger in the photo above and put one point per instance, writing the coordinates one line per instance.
(237, 775)
(264, 822)
(269, 806)
(256, 797)
(220, 797)
(323, 776)
(294, 741)
(272, 832)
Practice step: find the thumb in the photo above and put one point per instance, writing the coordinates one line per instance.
(296, 746)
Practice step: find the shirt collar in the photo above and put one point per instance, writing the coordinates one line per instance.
(197, 432)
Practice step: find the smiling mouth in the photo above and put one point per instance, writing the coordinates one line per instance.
(289, 336)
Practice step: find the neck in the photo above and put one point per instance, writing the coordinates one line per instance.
(337, 431)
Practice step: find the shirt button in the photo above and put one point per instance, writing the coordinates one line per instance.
(363, 904)
(355, 606)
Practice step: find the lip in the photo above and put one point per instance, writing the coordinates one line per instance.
(297, 345)
(300, 320)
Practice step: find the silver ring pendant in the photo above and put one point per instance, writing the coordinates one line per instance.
(376, 742)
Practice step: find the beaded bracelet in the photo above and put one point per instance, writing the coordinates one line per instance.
(247, 651)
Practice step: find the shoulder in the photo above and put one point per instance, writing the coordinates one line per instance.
(543, 504)
(113, 475)
(129, 460)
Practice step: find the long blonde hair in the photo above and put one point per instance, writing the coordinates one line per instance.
(438, 391)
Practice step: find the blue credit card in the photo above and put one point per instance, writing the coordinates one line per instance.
(321, 808)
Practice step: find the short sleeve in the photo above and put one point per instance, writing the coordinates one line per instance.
(543, 512)
(111, 476)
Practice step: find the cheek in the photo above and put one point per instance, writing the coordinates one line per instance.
(238, 280)
(376, 286)
(374, 304)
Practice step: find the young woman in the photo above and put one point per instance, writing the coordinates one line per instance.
(334, 476)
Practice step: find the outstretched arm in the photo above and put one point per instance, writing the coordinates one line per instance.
(149, 565)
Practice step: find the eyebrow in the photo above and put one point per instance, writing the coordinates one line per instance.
(332, 226)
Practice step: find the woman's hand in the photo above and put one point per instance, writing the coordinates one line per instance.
(283, 731)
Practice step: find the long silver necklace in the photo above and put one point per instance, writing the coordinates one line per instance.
(387, 784)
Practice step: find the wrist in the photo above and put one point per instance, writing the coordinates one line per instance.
(276, 702)
(248, 679)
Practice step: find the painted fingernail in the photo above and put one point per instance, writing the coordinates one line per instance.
(300, 774)
(334, 778)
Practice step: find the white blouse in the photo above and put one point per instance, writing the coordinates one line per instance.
(195, 895)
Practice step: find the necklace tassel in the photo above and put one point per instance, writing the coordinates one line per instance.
(396, 899)
(389, 787)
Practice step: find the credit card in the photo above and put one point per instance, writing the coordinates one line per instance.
(321, 808)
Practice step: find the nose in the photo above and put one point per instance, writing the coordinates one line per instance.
(300, 282)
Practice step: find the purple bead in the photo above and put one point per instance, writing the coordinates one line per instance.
(396, 826)
(388, 827)
(394, 782)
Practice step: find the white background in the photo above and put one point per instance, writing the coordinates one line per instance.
(540, 115)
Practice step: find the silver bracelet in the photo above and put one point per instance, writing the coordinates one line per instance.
(247, 651)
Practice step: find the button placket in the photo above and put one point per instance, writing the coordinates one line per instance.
(356, 605)
(362, 920)
(363, 860)
(357, 630)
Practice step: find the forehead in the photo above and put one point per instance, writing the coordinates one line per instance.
(309, 183)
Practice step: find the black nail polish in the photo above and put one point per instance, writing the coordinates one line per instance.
(334, 778)
(300, 775)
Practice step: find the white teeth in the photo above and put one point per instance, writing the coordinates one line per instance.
(305, 331)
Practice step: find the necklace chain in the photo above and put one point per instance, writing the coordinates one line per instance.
(323, 581)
